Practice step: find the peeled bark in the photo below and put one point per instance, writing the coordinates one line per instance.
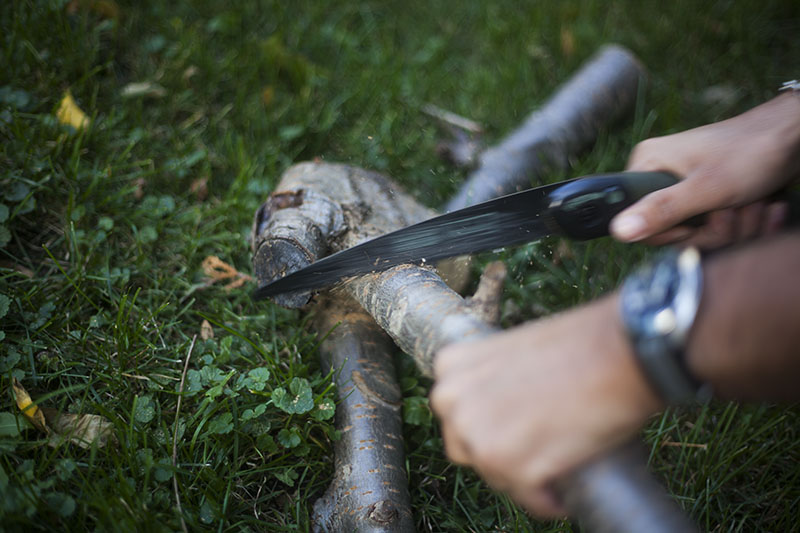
(604, 90)
(422, 314)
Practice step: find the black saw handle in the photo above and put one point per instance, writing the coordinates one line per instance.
(582, 209)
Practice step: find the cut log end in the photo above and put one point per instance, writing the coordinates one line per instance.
(276, 258)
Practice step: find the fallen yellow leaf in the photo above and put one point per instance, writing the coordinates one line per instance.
(69, 113)
(28, 408)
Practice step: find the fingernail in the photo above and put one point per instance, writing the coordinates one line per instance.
(628, 227)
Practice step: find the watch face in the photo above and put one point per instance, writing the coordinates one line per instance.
(658, 305)
(661, 299)
(647, 298)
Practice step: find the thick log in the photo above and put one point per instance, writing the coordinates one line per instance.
(328, 207)
(601, 92)
(422, 314)
(369, 492)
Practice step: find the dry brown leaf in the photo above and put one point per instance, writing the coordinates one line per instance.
(200, 188)
(138, 192)
(25, 271)
(567, 42)
(82, 430)
(190, 72)
(238, 282)
(69, 113)
(268, 94)
(28, 408)
(206, 331)
(217, 270)
(105, 8)
(562, 252)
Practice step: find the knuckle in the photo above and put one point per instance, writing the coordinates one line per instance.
(455, 452)
(441, 399)
(645, 155)
(444, 360)
(486, 458)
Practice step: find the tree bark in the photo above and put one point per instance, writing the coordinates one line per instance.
(600, 93)
(369, 491)
(422, 314)
(323, 208)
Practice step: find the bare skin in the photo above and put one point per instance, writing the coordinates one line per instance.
(527, 405)
(727, 168)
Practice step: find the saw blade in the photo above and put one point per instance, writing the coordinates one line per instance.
(504, 221)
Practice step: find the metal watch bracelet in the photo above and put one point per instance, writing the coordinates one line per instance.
(791, 85)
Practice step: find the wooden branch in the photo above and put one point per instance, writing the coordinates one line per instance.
(369, 491)
(321, 208)
(417, 309)
(601, 92)
(327, 207)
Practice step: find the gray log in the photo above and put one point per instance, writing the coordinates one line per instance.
(369, 491)
(604, 90)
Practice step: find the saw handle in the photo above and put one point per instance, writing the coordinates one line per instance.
(583, 208)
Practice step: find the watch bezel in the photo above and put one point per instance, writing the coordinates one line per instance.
(659, 329)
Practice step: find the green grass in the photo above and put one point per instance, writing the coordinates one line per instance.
(102, 240)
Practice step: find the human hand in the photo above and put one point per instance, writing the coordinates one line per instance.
(727, 169)
(526, 406)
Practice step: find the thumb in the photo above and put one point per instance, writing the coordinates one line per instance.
(657, 212)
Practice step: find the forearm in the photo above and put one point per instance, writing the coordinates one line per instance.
(746, 338)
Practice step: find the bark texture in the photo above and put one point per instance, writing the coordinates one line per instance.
(601, 92)
(369, 491)
(322, 208)
(422, 314)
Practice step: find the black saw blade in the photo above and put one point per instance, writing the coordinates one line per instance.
(505, 221)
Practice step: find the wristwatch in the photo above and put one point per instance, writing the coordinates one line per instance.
(658, 304)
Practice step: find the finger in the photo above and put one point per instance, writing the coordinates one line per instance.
(442, 398)
(445, 359)
(649, 155)
(670, 236)
(719, 231)
(775, 217)
(659, 211)
(455, 448)
(458, 356)
(749, 220)
(543, 502)
(454, 388)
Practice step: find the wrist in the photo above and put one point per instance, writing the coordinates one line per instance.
(628, 378)
(745, 337)
(783, 122)
(658, 306)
